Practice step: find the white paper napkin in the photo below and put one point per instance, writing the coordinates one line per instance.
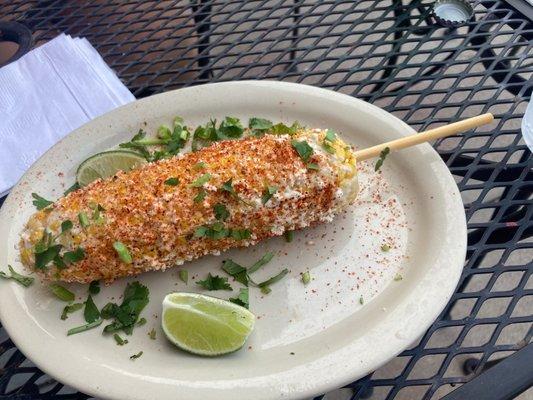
(46, 94)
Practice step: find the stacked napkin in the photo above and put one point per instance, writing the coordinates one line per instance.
(46, 94)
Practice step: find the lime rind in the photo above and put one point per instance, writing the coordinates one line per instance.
(205, 325)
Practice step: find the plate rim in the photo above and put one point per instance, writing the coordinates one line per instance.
(62, 374)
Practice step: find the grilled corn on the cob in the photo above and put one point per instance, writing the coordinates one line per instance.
(233, 193)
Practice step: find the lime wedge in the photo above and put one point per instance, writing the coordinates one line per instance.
(106, 164)
(205, 325)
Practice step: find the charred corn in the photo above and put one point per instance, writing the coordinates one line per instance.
(233, 193)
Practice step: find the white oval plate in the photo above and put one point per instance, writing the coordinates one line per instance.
(307, 340)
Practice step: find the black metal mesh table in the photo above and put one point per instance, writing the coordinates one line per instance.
(388, 53)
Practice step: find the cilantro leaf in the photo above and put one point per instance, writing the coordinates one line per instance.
(240, 234)
(282, 129)
(312, 166)
(184, 275)
(242, 299)
(70, 309)
(90, 313)
(230, 128)
(276, 278)
(61, 292)
(303, 149)
(228, 187)
(71, 189)
(384, 153)
(66, 226)
(221, 212)
(259, 125)
(235, 270)
(289, 236)
(47, 255)
(127, 314)
(214, 283)
(268, 193)
(199, 182)
(94, 287)
(25, 281)
(172, 182)
(200, 196)
(330, 136)
(74, 256)
(40, 202)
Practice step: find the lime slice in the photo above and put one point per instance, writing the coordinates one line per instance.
(205, 325)
(106, 164)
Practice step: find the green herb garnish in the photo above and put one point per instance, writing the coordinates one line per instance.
(303, 149)
(328, 141)
(90, 313)
(119, 340)
(40, 202)
(25, 281)
(230, 128)
(200, 196)
(66, 226)
(274, 279)
(268, 193)
(61, 292)
(242, 299)
(282, 129)
(184, 275)
(152, 334)
(398, 277)
(127, 314)
(289, 236)
(199, 165)
(94, 287)
(84, 219)
(70, 309)
(73, 256)
(306, 277)
(214, 283)
(202, 180)
(382, 157)
(135, 356)
(259, 126)
(172, 182)
(385, 248)
(238, 272)
(313, 166)
(123, 252)
(84, 328)
(221, 212)
(228, 187)
(141, 322)
(240, 234)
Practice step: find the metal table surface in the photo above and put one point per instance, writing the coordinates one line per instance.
(388, 53)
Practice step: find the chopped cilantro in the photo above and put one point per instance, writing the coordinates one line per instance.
(25, 281)
(84, 219)
(184, 275)
(152, 334)
(214, 283)
(73, 256)
(398, 277)
(303, 149)
(259, 126)
(119, 340)
(66, 226)
(306, 277)
(94, 287)
(199, 165)
(202, 180)
(228, 187)
(61, 292)
(172, 182)
(289, 236)
(90, 313)
(385, 248)
(230, 128)
(262, 261)
(135, 356)
(240, 234)
(242, 299)
(282, 129)
(97, 210)
(70, 309)
(328, 141)
(141, 322)
(361, 300)
(45, 252)
(123, 252)
(40, 202)
(238, 272)
(382, 157)
(268, 193)
(201, 231)
(313, 166)
(84, 328)
(204, 135)
(221, 212)
(200, 196)
(127, 314)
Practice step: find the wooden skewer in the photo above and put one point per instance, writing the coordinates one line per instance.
(432, 134)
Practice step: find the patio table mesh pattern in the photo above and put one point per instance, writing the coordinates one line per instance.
(388, 53)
